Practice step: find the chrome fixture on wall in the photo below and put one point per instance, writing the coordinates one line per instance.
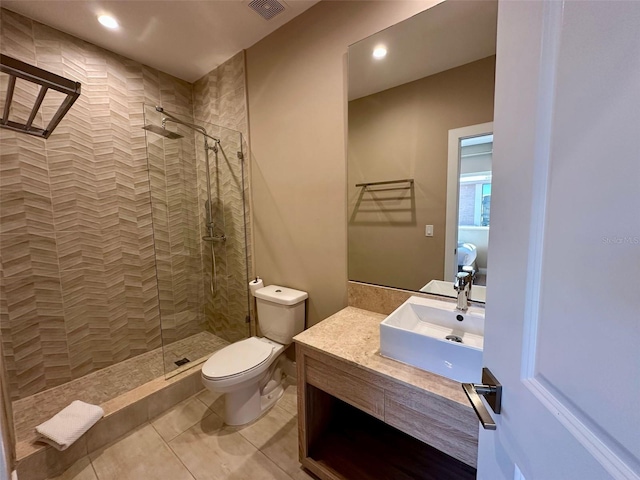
(162, 131)
(210, 237)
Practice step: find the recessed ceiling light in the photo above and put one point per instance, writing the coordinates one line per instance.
(108, 21)
(379, 52)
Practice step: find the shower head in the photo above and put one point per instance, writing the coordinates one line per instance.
(162, 132)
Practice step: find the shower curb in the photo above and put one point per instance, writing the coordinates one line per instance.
(37, 461)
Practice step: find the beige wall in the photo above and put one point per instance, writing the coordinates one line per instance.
(297, 123)
(402, 133)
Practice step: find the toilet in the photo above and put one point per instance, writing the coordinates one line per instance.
(467, 253)
(249, 372)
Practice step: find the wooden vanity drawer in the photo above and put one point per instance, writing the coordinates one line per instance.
(350, 389)
(446, 425)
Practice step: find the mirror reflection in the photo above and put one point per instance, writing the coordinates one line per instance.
(419, 149)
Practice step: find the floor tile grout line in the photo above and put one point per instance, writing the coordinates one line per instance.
(136, 429)
(95, 472)
(193, 475)
(285, 410)
(264, 453)
(239, 429)
(203, 402)
(188, 428)
(274, 463)
(167, 443)
(173, 451)
(119, 439)
(258, 449)
(212, 413)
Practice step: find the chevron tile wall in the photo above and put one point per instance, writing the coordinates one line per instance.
(220, 104)
(101, 257)
(78, 287)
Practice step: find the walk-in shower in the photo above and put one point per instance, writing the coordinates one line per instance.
(198, 213)
(106, 279)
(152, 301)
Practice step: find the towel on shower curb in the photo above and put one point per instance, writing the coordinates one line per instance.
(69, 424)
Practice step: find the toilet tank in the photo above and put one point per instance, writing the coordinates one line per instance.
(280, 312)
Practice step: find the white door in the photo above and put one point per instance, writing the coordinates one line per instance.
(563, 307)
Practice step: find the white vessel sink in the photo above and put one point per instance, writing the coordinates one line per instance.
(415, 333)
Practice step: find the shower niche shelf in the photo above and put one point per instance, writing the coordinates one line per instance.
(17, 69)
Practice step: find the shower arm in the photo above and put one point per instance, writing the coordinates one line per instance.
(209, 210)
(192, 126)
(200, 129)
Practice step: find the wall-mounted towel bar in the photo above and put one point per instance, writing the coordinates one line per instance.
(47, 81)
(388, 182)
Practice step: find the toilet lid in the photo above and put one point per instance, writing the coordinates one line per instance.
(237, 358)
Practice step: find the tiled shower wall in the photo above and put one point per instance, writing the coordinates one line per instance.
(78, 288)
(220, 99)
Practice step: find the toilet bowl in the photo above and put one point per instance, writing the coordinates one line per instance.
(467, 253)
(249, 372)
(238, 371)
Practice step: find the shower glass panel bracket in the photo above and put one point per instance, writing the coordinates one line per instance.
(47, 81)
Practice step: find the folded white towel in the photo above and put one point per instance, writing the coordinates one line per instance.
(69, 425)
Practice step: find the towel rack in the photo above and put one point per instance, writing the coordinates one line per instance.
(47, 80)
(388, 182)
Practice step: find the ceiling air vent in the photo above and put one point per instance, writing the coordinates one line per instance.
(267, 9)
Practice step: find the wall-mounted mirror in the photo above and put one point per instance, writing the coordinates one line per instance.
(419, 149)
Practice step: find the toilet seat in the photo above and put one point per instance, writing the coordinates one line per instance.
(237, 358)
(467, 253)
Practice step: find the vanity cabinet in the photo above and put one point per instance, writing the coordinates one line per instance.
(358, 424)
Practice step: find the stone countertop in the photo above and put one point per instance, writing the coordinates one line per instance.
(353, 335)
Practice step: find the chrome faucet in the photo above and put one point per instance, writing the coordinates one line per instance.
(463, 287)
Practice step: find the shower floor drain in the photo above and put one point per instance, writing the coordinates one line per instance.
(182, 361)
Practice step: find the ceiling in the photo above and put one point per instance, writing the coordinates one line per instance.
(448, 35)
(185, 38)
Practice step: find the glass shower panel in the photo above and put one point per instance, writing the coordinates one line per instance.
(226, 304)
(203, 304)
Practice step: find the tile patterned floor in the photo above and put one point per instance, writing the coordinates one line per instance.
(191, 442)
